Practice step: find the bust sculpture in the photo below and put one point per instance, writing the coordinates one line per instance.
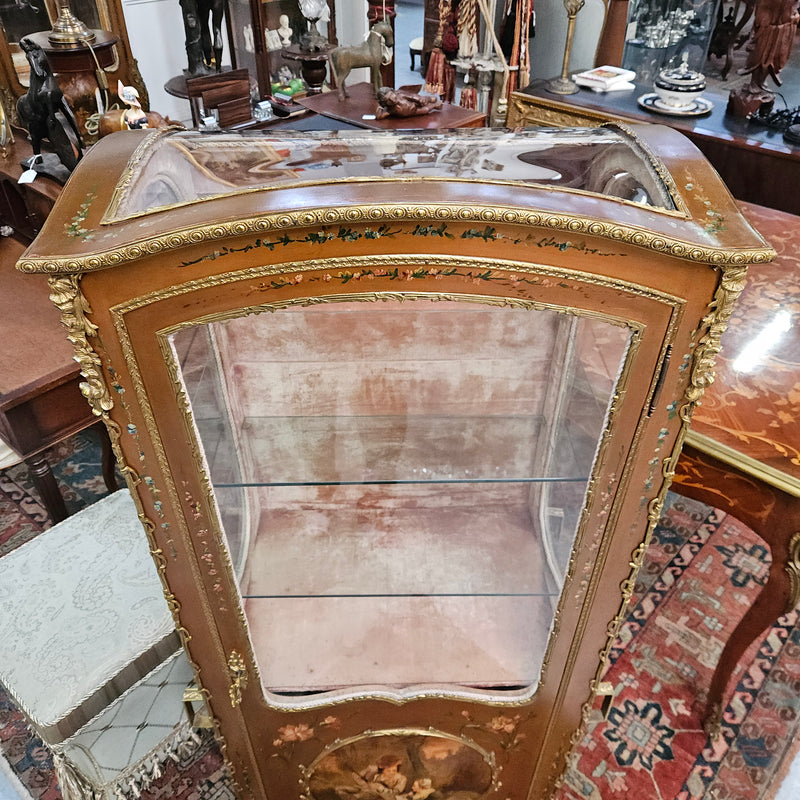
(284, 31)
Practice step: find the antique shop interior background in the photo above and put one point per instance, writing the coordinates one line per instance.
(506, 71)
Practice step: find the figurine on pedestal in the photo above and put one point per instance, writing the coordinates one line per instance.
(203, 42)
(131, 118)
(396, 103)
(774, 27)
(372, 53)
(46, 115)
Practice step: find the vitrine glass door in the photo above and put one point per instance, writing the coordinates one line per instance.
(401, 482)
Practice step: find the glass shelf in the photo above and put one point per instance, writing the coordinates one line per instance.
(385, 450)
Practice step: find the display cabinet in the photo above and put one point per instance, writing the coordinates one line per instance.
(258, 45)
(399, 413)
(660, 32)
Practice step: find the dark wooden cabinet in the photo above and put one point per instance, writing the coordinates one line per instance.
(249, 21)
(757, 165)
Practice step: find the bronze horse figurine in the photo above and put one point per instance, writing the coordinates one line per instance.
(44, 111)
(372, 53)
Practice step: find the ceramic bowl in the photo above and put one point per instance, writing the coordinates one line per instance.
(679, 86)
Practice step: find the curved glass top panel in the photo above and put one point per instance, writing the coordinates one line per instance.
(187, 167)
(400, 483)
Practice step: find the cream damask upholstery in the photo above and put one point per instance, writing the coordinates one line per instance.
(90, 650)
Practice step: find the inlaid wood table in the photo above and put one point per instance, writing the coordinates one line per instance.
(742, 453)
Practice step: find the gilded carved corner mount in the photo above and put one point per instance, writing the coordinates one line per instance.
(66, 294)
(793, 570)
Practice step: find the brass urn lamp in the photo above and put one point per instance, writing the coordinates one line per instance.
(68, 29)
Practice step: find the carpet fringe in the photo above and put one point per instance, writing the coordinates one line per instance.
(182, 744)
(129, 784)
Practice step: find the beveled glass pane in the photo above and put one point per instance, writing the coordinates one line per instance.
(401, 482)
(187, 167)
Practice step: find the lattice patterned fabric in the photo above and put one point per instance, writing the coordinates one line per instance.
(119, 752)
(81, 609)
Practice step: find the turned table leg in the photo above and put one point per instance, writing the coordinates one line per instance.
(771, 514)
(109, 463)
(45, 483)
(776, 598)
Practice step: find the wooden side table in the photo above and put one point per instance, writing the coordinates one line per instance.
(40, 398)
(361, 102)
(743, 450)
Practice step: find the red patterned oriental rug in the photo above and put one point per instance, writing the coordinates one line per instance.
(701, 573)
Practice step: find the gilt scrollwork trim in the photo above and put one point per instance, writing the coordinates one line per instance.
(395, 212)
(138, 83)
(525, 110)
(238, 672)
(701, 376)
(66, 295)
(9, 102)
(793, 571)
(344, 269)
(715, 322)
(523, 114)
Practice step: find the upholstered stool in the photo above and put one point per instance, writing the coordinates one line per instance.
(118, 753)
(87, 635)
(415, 49)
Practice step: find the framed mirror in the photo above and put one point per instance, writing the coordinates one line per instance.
(20, 18)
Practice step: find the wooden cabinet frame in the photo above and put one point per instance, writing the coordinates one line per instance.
(666, 276)
(251, 48)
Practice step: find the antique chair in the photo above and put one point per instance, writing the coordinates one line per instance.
(90, 652)
(415, 49)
